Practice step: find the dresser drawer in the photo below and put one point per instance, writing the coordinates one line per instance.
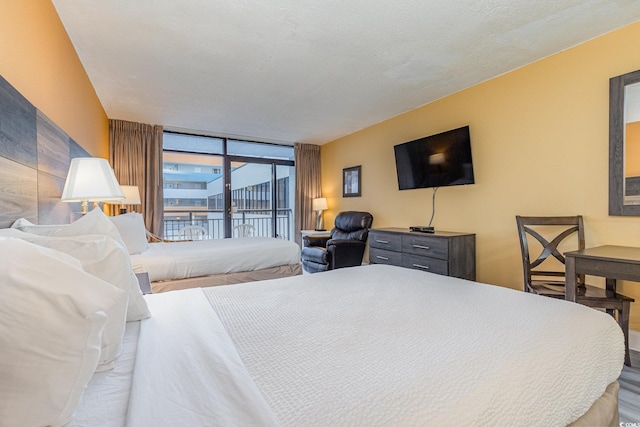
(387, 241)
(443, 252)
(381, 256)
(426, 246)
(431, 265)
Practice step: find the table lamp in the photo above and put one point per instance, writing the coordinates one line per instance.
(319, 205)
(90, 179)
(131, 197)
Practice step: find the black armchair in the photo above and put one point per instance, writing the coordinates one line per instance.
(344, 248)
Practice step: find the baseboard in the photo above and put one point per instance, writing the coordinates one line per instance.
(634, 340)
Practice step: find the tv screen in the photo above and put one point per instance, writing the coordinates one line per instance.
(435, 161)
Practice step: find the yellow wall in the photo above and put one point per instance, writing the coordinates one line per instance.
(540, 145)
(39, 60)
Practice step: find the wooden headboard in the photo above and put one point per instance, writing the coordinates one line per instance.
(34, 160)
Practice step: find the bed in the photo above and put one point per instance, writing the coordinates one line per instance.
(184, 264)
(370, 345)
(201, 263)
(373, 345)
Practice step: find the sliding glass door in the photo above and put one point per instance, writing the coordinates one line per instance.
(216, 188)
(251, 199)
(261, 199)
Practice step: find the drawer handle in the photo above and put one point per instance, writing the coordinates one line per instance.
(384, 258)
(421, 247)
(386, 242)
(424, 267)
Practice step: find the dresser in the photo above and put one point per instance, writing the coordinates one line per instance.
(443, 252)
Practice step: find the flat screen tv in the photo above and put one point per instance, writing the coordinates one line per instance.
(435, 161)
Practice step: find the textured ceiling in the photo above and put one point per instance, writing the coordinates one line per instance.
(311, 70)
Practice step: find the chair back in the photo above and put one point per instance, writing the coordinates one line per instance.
(547, 234)
(352, 225)
(243, 230)
(193, 232)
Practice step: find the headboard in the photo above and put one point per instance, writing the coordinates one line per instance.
(34, 160)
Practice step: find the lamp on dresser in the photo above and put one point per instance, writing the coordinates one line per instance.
(90, 179)
(131, 197)
(319, 204)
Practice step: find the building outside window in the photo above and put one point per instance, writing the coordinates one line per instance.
(220, 183)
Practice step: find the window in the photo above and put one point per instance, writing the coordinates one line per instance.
(218, 183)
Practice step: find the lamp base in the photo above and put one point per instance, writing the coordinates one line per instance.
(84, 207)
(320, 229)
(319, 226)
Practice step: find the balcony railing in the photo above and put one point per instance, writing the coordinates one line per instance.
(212, 221)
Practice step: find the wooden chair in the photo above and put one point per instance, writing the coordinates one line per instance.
(550, 282)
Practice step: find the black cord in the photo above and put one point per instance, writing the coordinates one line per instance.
(433, 205)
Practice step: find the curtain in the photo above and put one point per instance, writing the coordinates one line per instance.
(135, 151)
(308, 186)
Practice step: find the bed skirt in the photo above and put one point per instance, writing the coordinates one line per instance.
(604, 412)
(228, 279)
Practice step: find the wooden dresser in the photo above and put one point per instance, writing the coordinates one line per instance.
(443, 252)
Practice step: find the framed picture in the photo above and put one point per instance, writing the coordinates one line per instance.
(352, 182)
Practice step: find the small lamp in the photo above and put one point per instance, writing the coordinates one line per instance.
(90, 179)
(436, 159)
(131, 197)
(319, 205)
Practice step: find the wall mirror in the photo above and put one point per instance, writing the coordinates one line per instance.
(624, 144)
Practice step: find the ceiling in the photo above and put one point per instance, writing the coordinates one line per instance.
(311, 70)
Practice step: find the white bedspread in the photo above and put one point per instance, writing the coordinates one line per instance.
(380, 345)
(365, 346)
(181, 260)
(188, 373)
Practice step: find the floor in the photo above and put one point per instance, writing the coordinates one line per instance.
(629, 397)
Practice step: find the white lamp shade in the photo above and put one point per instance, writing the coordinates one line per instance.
(91, 179)
(131, 195)
(319, 204)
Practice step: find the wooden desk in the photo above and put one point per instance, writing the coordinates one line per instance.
(612, 262)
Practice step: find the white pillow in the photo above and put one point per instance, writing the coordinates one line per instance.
(94, 222)
(27, 226)
(52, 315)
(97, 255)
(14, 232)
(106, 259)
(132, 231)
(118, 273)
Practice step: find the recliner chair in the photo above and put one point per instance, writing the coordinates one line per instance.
(344, 248)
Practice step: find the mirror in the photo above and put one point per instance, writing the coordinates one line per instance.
(624, 144)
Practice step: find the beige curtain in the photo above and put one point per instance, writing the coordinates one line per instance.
(135, 152)
(308, 186)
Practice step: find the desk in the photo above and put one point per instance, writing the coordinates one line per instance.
(612, 262)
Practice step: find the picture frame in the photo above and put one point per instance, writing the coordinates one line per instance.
(352, 181)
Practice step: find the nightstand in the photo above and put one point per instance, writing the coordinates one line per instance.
(144, 282)
(325, 233)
